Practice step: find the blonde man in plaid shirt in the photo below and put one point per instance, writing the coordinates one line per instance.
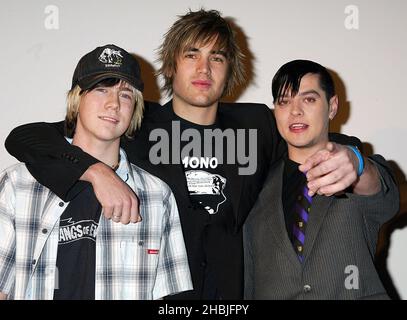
(50, 249)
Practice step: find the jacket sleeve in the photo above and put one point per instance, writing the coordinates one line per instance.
(345, 140)
(52, 160)
(382, 206)
(279, 146)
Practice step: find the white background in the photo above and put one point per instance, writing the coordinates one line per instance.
(36, 63)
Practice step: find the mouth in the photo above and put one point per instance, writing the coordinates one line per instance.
(298, 127)
(109, 119)
(204, 84)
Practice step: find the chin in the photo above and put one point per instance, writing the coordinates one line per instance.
(299, 144)
(203, 104)
(108, 137)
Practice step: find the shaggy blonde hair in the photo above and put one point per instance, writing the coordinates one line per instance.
(74, 99)
(200, 27)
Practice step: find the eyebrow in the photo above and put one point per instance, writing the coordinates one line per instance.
(194, 49)
(221, 52)
(304, 93)
(125, 89)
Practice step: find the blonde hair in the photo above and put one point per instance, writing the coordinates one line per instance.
(74, 99)
(200, 27)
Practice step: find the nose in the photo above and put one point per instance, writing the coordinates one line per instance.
(296, 108)
(113, 101)
(204, 66)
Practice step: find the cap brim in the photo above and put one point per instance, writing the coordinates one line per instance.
(89, 82)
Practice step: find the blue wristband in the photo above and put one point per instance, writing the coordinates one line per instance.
(361, 165)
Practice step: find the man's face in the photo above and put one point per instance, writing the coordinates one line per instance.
(200, 77)
(105, 113)
(303, 120)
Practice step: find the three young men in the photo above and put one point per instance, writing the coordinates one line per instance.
(201, 62)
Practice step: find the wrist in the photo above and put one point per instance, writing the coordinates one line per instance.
(361, 162)
(93, 171)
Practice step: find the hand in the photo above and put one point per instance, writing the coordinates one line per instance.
(330, 170)
(118, 200)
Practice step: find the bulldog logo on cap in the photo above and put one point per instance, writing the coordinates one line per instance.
(112, 57)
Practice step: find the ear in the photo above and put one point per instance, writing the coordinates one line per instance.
(333, 107)
(168, 73)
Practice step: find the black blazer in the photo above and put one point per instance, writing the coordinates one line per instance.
(58, 165)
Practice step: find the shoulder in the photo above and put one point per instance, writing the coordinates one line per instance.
(18, 180)
(345, 139)
(243, 107)
(148, 181)
(151, 107)
(252, 114)
(17, 172)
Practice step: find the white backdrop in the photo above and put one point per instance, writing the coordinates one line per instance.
(363, 42)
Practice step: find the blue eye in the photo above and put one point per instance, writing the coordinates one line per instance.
(126, 96)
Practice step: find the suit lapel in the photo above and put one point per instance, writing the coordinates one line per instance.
(319, 209)
(235, 180)
(271, 197)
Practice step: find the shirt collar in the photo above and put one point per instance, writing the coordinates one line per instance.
(124, 171)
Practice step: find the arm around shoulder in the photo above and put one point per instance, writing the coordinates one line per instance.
(52, 160)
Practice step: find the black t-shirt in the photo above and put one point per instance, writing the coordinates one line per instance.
(204, 171)
(76, 258)
(208, 189)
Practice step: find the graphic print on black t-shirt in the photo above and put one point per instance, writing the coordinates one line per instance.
(70, 230)
(76, 258)
(207, 189)
(203, 173)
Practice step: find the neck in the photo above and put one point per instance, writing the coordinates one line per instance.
(301, 154)
(105, 151)
(205, 115)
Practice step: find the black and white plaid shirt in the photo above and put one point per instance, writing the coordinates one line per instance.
(144, 261)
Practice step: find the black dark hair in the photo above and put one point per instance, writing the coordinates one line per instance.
(289, 76)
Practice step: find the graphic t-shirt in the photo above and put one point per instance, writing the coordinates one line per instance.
(208, 188)
(76, 258)
(204, 170)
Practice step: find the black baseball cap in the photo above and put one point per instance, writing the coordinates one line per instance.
(105, 62)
